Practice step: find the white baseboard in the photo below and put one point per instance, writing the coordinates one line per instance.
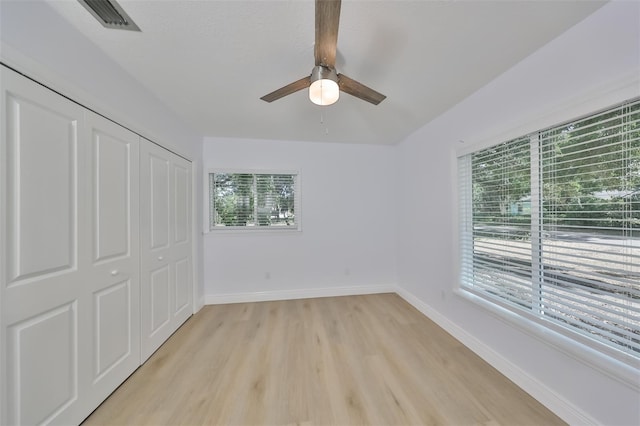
(263, 296)
(538, 390)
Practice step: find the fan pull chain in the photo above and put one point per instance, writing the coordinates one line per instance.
(326, 129)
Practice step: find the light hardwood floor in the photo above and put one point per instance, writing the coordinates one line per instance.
(351, 360)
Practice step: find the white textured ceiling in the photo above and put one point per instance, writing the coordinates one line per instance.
(211, 61)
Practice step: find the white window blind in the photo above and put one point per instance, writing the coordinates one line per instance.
(258, 200)
(550, 226)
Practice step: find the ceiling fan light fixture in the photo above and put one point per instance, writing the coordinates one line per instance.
(325, 84)
(324, 89)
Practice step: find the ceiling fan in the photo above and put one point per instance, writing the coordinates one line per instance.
(324, 83)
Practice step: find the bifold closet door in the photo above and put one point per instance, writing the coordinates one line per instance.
(44, 305)
(69, 241)
(113, 274)
(165, 250)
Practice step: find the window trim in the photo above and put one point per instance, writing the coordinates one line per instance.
(251, 229)
(607, 359)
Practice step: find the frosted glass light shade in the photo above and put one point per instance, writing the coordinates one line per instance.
(324, 89)
(324, 92)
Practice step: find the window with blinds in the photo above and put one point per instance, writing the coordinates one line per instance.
(550, 227)
(253, 201)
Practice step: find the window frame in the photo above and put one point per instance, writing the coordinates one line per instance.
(582, 347)
(209, 228)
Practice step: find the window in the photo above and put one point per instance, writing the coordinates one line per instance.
(253, 201)
(550, 227)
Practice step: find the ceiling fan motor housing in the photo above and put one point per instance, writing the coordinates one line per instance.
(321, 73)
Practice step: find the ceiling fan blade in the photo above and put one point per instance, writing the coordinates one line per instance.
(327, 20)
(359, 90)
(303, 83)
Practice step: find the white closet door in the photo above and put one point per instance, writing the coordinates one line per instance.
(43, 212)
(165, 231)
(69, 241)
(113, 277)
(182, 307)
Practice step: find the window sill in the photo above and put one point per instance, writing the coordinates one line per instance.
(251, 230)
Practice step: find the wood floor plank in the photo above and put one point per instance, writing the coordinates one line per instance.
(353, 360)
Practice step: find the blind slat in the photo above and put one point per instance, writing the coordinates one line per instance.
(576, 260)
(252, 200)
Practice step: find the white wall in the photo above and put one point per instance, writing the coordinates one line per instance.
(40, 43)
(345, 248)
(591, 66)
(37, 41)
(347, 242)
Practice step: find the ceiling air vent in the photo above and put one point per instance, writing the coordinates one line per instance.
(110, 14)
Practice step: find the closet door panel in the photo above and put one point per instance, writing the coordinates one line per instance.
(42, 179)
(112, 182)
(160, 284)
(41, 289)
(114, 279)
(159, 203)
(182, 202)
(157, 278)
(166, 288)
(159, 244)
(43, 373)
(113, 325)
(181, 244)
(183, 287)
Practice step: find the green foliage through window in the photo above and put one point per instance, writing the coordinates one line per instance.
(550, 224)
(252, 200)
